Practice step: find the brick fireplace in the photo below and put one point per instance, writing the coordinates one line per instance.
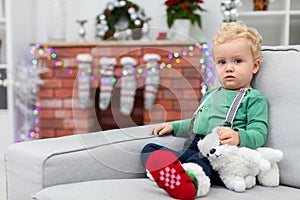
(178, 95)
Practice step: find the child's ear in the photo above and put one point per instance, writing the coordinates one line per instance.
(256, 66)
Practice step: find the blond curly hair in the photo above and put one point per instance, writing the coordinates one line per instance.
(239, 30)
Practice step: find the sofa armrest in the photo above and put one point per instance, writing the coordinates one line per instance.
(32, 166)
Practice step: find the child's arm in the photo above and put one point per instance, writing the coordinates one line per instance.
(181, 128)
(255, 133)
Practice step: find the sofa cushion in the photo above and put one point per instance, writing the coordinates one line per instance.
(136, 189)
(102, 155)
(278, 79)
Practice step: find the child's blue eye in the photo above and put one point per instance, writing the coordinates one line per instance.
(238, 61)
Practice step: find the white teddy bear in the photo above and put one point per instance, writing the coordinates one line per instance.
(238, 167)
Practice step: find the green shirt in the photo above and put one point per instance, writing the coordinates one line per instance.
(251, 119)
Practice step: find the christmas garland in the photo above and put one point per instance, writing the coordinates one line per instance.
(106, 21)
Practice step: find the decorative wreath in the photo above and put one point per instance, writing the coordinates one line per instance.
(106, 21)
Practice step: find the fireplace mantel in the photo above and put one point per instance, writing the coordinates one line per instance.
(113, 43)
(177, 98)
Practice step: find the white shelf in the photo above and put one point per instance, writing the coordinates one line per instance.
(295, 12)
(262, 13)
(279, 25)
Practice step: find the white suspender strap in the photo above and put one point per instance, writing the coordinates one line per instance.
(235, 105)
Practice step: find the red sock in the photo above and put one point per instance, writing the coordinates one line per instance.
(169, 174)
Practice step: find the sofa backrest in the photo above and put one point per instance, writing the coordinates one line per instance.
(279, 80)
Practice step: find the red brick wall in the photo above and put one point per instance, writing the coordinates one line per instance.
(60, 115)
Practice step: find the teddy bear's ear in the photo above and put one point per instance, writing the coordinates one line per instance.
(209, 142)
(200, 145)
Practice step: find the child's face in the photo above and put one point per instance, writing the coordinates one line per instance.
(235, 64)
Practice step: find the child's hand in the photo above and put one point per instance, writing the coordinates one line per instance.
(161, 129)
(229, 136)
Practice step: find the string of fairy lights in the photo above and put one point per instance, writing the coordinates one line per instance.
(205, 66)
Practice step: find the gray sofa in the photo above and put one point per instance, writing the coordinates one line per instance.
(106, 165)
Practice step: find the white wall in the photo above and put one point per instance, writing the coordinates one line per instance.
(89, 9)
(22, 28)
